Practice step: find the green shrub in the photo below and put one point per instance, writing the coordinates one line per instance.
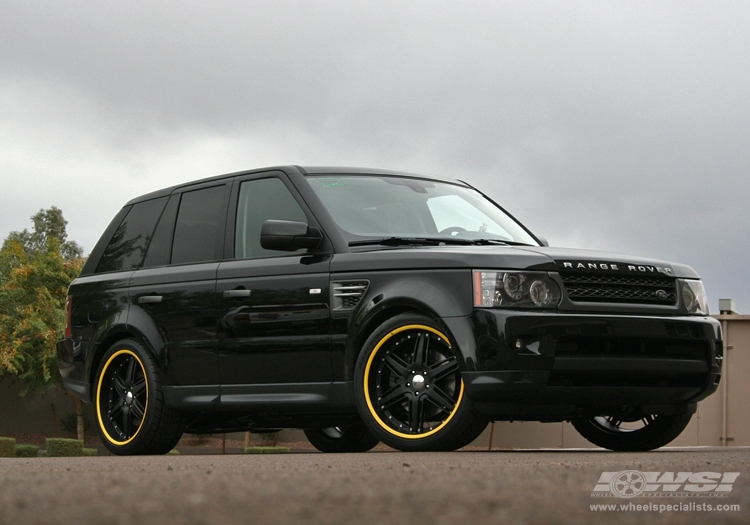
(26, 451)
(90, 452)
(7, 447)
(267, 450)
(174, 452)
(64, 447)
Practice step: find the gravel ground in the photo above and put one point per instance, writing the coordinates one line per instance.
(545, 486)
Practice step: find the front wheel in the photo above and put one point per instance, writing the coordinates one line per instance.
(130, 411)
(409, 389)
(647, 433)
(351, 437)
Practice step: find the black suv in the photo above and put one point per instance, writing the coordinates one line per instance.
(367, 306)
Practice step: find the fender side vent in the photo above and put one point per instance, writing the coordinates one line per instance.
(347, 294)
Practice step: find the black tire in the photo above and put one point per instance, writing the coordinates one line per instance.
(652, 432)
(352, 437)
(409, 390)
(130, 411)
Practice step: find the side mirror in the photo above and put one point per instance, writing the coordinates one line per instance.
(289, 236)
(543, 240)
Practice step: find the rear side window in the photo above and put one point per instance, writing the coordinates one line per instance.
(262, 200)
(131, 238)
(200, 220)
(160, 247)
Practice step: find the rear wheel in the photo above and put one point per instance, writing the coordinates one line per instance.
(409, 390)
(647, 433)
(131, 415)
(352, 437)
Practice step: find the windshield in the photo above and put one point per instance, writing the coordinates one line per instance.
(374, 206)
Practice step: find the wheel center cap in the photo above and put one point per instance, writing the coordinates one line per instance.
(417, 381)
(129, 397)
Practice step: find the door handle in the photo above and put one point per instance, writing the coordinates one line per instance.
(149, 299)
(236, 294)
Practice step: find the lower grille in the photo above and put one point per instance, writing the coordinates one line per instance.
(619, 289)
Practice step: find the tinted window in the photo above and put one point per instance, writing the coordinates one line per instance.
(262, 200)
(130, 240)
(199, 223)
(161, 244)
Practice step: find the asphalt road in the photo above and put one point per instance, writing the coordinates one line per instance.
(391, 488)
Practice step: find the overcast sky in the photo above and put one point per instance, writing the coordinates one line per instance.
(620, 126)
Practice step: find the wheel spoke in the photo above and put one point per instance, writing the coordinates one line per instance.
(421, 349)
(394, 395)
(415, 413)
(115, 410)
(443, 369)
(130, 376)
(648, 419)
(396, 365)
(126, 420)
(439, 398)
(137, 410)
(139, 387)
(118, 384)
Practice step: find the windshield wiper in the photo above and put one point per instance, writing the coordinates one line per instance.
(411, 241)
(434, 241)
(498, 242)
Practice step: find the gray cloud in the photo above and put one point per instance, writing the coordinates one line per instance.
(619, 126)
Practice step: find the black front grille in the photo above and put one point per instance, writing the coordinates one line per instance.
(592, 288)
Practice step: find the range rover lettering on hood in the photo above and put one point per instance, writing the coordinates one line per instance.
(616, 267)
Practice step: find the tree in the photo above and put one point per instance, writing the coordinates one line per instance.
(35, 271)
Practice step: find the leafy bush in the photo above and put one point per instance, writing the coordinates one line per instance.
(7, 447)
(64, 447)
(90, 452)
(267, 450)
(174, 452)
(26, 451)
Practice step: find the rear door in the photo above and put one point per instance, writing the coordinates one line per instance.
(173, 295)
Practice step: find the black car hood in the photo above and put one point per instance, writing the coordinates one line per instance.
(505, 257)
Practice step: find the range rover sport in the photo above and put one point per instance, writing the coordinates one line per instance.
(370, 305)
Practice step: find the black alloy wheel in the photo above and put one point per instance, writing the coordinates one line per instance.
(130, 410)
(409, 387)
(620, 434)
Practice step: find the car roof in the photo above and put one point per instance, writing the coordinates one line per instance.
(305, 170)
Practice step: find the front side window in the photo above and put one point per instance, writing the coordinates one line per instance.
(366, 206)
(262, 200)
(129, 242)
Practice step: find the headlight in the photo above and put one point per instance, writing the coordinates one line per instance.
(515, 290)
(695, 298)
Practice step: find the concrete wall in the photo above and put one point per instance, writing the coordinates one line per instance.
(36, 413)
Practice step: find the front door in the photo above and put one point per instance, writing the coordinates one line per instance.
(274, 324)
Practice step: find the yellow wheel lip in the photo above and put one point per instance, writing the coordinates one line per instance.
(98, 397)
(371, 408)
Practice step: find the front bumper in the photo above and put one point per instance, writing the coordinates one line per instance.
(556, 365)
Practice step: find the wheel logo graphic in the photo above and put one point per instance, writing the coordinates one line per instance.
(628, 484)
